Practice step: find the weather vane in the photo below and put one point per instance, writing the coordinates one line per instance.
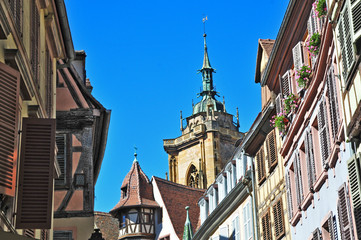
(135, 149)
(204, 24)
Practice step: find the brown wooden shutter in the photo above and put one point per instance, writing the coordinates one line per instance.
(343, 207)
(289, 196)
(333, 103)
(354, 173)
(356, 20)
(310, 159)
(298, 178)
(323, 132)
(34, 207)
(35, 46)
(61, 158)
(9, 92)
(261, 171)
(271, 150)
(266, 226)
(278, 219)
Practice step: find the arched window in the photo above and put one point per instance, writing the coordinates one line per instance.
(193, 177)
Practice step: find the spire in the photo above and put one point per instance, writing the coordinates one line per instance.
(188, 233)
(135, 155)
(207, 73)
(206, 63)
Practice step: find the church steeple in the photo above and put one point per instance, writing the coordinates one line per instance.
(207, 73)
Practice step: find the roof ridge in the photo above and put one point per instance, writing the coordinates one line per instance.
(178, 184)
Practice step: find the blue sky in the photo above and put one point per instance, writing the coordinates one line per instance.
(142, 60)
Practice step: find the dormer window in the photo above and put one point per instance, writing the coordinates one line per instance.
(124, 191)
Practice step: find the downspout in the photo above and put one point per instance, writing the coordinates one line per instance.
(65, 29)
(254, 219)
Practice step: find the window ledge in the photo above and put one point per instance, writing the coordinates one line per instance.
(296, 218)
(307, 201)
(321, 180)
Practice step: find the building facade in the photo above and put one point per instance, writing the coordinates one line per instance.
(226, 208)
(303, 75)
(346, 25)
(36, 53)
(208, 140)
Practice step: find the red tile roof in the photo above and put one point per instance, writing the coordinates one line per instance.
(139, 190)
(109, 226)
(176, 197)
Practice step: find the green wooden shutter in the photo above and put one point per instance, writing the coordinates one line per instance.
(9, 99)
(353, 165)
(34, 208)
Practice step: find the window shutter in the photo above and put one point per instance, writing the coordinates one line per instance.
(353, 166)
(61, 157)
(344, 36)
(332, 100)
(44, 234)
(289, 196)
(316, 235)
(16, 7)
(279, 106)
(298, 58)
(278, 219)
(9, 92)
(266, 227)
(271, 150)
(30, 233)
(298, 178)
(34, 207)
(323, 132)
(286, 84)
(356, 19)
(260, 166)
(35, 32)
(311, 23)
(310, 160)
(343, 213)
(331, 227)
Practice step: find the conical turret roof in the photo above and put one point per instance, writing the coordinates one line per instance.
(136, 189)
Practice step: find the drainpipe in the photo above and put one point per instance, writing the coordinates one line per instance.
(65, 29)
(254, 219)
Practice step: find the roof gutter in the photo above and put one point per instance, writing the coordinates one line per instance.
(65, 29)
(278, 41)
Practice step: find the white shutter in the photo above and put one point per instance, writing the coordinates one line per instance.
(345, 39)
(236, 234)
(311, 23)
(289, 196)
(310, 159)
(298, 58)
(247, 226)
(223, 232)
(298, 178)
(333, 102)
(279, 106)
(286, 84)
(356, 19)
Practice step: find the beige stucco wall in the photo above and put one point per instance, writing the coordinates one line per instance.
(82, 227)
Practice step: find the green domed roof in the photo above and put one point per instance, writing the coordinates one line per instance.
(207, 100)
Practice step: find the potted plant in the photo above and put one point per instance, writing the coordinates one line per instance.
(281, 122)
(320, 8)
(313, 44)
(303, 76)
(290, 104)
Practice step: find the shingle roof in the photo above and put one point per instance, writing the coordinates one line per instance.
(109, 226)
(176, 197)
(139, 190)
(267, 45)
